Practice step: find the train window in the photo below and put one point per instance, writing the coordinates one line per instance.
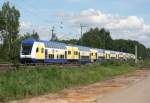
(61, 56)
(26, 49)
(42, 50)
(96, 54)
(75, 53)
(37, 49)
(51, 56)
(69, 52)
(90, 54)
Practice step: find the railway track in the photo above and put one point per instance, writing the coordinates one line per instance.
(4, 67)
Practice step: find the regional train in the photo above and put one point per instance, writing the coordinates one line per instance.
(38, 51)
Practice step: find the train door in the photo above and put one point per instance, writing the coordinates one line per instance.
(46, 54)
(106, 56)
(96, 55)
(109, 57)
(79, 56)
(65, 54)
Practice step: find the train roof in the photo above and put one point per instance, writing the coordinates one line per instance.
(59, 45)
(50, 44)
(28, 41)
(113, 52)
(53, 44)
(101, 50)
(83, 48)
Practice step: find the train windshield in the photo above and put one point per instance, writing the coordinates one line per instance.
(26, 49)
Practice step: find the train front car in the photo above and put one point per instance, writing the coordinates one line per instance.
(32, 51)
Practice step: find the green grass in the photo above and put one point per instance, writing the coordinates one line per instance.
(35, 81)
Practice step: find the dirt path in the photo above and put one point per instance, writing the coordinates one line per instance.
(138, 93)
(102, 92)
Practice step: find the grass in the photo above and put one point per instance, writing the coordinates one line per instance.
(36, 81)
(144, 64)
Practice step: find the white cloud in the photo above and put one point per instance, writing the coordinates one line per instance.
(25, 25)
(130, 27)
(29, 27)
(44, 31)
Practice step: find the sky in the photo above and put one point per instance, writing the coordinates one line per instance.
(125, 19)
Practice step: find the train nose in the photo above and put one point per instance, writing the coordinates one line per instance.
(25, 59)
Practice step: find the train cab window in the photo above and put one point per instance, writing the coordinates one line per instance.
(42, 50)
(69, 52)
(37, 50)
(26, 49)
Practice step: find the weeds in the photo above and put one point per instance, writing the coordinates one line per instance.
(40, 80)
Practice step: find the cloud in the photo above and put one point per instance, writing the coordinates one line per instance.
(130, 27)
(44, 31)
(26, 26)
(121, 27)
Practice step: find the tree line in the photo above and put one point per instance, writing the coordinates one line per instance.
(101, 38)
(10, 39)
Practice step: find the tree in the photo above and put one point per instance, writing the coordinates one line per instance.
(33, 35)
(129, 47)
(148, 53)
(71, 41)
(97, 38)
(9, 27)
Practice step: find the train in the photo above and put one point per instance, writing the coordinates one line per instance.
(39, 51)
